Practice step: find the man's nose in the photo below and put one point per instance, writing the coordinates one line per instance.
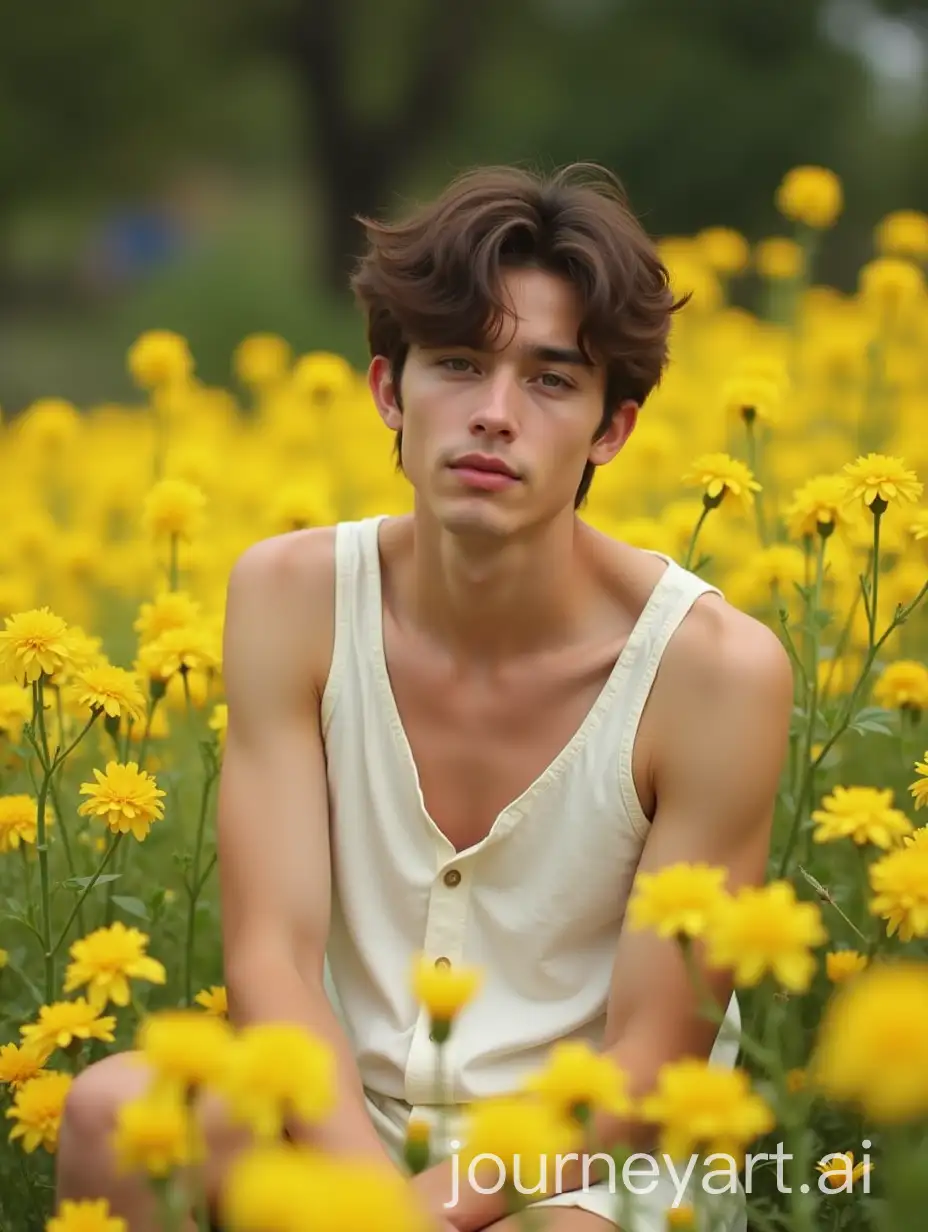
(498, 412)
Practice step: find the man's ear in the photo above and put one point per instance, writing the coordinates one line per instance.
(619, 429)
(385, 392)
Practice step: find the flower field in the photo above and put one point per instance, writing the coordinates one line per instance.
(783, 457)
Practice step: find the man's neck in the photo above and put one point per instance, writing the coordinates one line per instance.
(488, 599)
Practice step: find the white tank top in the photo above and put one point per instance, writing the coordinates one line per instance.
(537, 904)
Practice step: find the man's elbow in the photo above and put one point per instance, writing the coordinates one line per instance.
(267, 967)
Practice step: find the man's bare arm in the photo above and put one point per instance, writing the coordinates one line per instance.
(724, 731)
(273, 822)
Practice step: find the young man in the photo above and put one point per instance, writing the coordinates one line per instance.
(465, 730)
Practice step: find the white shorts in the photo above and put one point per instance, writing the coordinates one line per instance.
(644, 1210)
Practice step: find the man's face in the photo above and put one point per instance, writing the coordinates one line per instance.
(495, 439)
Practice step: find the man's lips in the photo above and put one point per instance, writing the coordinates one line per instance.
(485, 474)
(482, 462)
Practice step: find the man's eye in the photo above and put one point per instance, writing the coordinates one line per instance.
(556, 381)
(463, 364)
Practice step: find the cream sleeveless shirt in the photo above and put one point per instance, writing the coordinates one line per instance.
(537, 904)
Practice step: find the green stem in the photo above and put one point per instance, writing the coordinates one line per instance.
(751, 428)
(902, 614)
(146, 734)
(62, 827)
(827, 897)
(61, 757)
(38, 706)
(109, 911)
(706, 509)
(767, 1059)
(874, 585)
(195, 887)
(27, 883)
(107, 856)
(812, 678)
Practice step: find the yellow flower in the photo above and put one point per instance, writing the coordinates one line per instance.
(864, 814)
(15, 710)
(174, 507)
(778, 258)
(890, 285)
(819, 506)
(261, 359)
(796, 1081)
(105, 960)
(214, 1000)
(577, 1080)
(48, 425)
(159, 357)
(699, 1106)
(170, 609)
(752, 398)
(900, 885)
(872, 1047)
(919, 788)
(841, 965)
(902, 685)
(416, 1151)
(37, 1109)
(718, 474)
(111, 689)
(918, 527)
(156, 1132)
(443, 990)
(523, 1134)
(676, 900)
(18, 821)
(284, 1188)
(322, 376)
(879, 477)
(219, 721)
(903, 233)
(810, 195)
(726, 251)
(185, 1048)
(839, 1169)
(298, 505)
(188, 649)
(275, 1071)
(764, 929)
(682, 1216)
(90, 1215)
(63, 1022)
(33, 644)
(19, 1063)
(125, 798)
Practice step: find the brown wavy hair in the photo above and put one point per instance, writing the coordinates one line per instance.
(433, 277)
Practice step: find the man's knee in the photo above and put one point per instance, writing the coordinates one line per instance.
(96, 1095)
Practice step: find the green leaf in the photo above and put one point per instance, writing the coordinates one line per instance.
(81, 883)
(874, 719)
(133, 906)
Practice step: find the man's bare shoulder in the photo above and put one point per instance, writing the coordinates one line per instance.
(719, 647)
(280, 602)
(289, 563)
(723, 696)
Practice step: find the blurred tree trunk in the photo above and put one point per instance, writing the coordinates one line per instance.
(354, 161)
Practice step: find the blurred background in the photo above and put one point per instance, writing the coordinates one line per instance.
(195, 165)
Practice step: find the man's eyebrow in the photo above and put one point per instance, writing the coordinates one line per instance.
(557, 355)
